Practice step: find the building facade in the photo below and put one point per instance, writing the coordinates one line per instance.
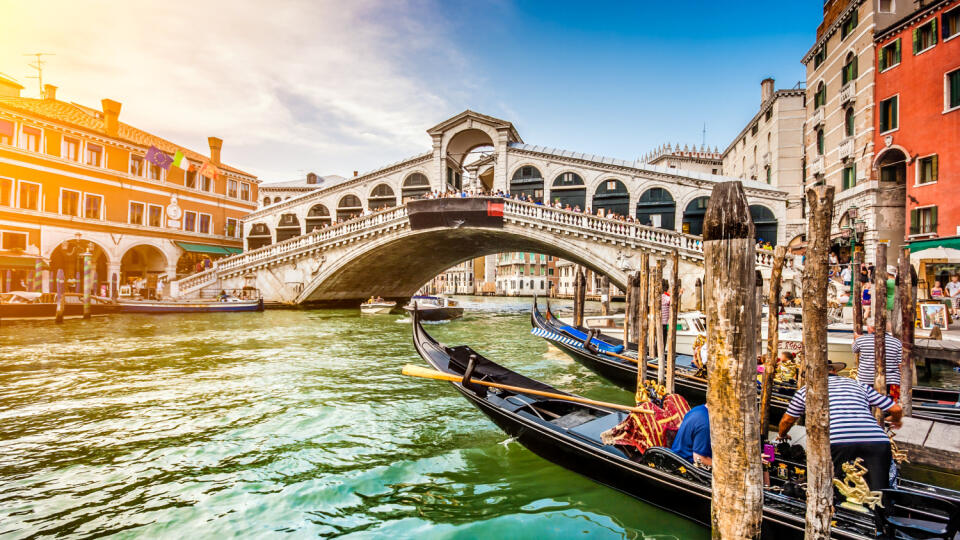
(689, 158)
(73, 178)
(917, 126)
(839, 133)
(770, 149)
(274, 192)
(524, 274)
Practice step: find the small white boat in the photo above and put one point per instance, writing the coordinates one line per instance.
(377, 306)
(435, 308)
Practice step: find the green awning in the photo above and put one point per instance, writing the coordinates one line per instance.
(14, 261)
(209, 250)
(953, 242)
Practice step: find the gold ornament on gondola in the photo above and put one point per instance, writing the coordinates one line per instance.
(855, 488)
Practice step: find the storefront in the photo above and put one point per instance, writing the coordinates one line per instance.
(196, 255)
(936, 260)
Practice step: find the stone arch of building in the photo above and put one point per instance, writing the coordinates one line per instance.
(382, 195)
(528, 178)
(558, 188)
(457, 142)
(611, 193)
(288, 226)
(260, 235)
(67, 256)
(143, 261)
(317, 217)
(656, 203)
(765, 222)
(415, 183)
(885, 153)
(349, 205)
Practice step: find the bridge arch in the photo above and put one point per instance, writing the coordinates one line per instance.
(414, 186)
(611, 195)
(381, 196)
(318, 217)
(527, 180)
(764, 222)
(569, 188)
(693, 214)
(288, 226)
(259, 236)
(657, 207)
(349, 206)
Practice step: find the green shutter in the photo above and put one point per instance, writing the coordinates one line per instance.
(914, 222)
(933, 219)
(896, 52)
(916, 40)
(933, 168)
(881, 59)
(854, 71)
(853, 174)
(933, 30)
(894, 117)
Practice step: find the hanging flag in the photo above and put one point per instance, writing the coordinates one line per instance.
(181, 161)
(158, 158)
(209, 171)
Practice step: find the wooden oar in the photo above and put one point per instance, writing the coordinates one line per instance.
(426, 373)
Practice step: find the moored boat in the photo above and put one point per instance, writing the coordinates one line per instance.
(435, 308)
(569, 435)
(37, 306)
(377, 306)
(189, 306)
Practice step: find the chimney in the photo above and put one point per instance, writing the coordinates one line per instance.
(356, 173)
(111, 114)
(49, 92)
(215, 145)
(766, 89)
(311, 178)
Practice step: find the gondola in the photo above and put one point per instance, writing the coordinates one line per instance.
(568, 434)
(939, 404)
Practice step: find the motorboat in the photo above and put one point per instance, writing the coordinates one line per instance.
(37, 306)
(435, 308)
(377, 306)
(224, 303)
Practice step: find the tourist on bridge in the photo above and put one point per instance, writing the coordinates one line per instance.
(866, 371)
(854, 432)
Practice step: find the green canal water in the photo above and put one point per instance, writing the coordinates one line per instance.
(284, 424)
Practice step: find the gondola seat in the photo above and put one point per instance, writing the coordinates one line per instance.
(912, 515)
(667, 460)
(591, 430)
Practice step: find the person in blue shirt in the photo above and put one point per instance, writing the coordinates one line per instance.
(692, 442)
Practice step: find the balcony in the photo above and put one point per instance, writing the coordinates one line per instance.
(817, 166)
(817, 117)
(849, 92)
(845, 150)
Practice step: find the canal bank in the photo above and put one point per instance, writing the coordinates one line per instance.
(283, 421)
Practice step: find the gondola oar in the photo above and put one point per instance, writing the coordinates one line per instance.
(427, 373)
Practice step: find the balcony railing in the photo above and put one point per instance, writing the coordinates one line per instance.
(848, 92)
(817, 118)
(816, 166)
(845, 150)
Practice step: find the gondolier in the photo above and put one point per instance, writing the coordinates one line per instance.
(866, 370)
(854, 432)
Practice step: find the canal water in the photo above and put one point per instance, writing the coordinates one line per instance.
(284, 424)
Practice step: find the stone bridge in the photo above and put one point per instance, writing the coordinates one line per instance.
(383, 254)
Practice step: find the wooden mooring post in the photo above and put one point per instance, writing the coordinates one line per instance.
(819, 462)
(627, 311)
(729, 285)
(758, 305)
(773, 339)
(657, 299)
(908, 317)
(579, 296)
(605, 295)
(635, 321)
(880, 324)
(698, 292)
(674, 313)
(642, 318)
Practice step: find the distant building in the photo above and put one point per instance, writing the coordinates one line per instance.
(274, 192)
(689, 159)
(523, 274)
(917, 125)
(74, 178)
(770, 149)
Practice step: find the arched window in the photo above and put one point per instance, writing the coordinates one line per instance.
(612, 197)
(820, 98)
(349, 207)
(288, 227)
(259, 236)
(527, 180)
(849, 72)
(569, 189)
(693, 216)
(318, 217)
(414, 186)
(276, 200)
(657, 208)
(266, 201)
(848, 122)
(764, 223)
(382, 196)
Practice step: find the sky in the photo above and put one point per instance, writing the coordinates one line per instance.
(294, 86)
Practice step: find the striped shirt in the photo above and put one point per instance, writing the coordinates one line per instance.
(866, 372)
(665, 308)
(850, 418)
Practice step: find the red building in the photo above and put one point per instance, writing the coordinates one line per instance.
(917, 123)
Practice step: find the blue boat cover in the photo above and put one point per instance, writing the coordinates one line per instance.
(606, 347)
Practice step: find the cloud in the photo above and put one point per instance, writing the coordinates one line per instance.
(290, 85)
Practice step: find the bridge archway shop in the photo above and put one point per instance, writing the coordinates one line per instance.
(68, 256)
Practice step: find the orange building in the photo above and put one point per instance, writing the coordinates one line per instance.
(73, 179)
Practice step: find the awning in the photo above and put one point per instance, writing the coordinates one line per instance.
(920, 245)
(209, 250)
(16, 261)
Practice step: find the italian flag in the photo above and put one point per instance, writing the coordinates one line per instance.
(181, 161)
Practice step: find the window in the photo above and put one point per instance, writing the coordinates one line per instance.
(6, 192)
(886, 6)
(753, 130)
(6, 132)
(925, 36)
(206, 184)
(189, 221)
(232, 189)
(768, 115)
(952, 93)
(136, 165)
(30, 139)
(245, 191)
(231, 228)
(155, 172)
(889, 55)
(69, 202)
(820, 142)
(769, 174)
(820, 56)
(13, 240)
(71, 149)
(205, 223)
(850, 176)
(92, 206)
(927, 170)
(848, 122)
(888, 115)
(29, 196)
(951, 23)
(848, 25)
(135, 214)
(154, 215)
(190, 179)
(94, 155)
(923, 220)
(820, 98)
(849, 72)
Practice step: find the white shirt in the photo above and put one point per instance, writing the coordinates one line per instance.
(953, 288)
(845, 274)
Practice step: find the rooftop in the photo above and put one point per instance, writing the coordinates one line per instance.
(319, 182)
